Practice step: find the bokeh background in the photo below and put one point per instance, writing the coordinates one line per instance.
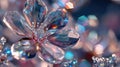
(107, 29)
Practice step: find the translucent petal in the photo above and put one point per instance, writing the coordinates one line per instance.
(23, 49)
(34, 12)
(55, 20)
(52, 53)
(15, 22)
(64, 39)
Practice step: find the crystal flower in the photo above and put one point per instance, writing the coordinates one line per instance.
(41, 31)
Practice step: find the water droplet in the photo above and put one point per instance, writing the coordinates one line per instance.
(23, 49)
(52, 53)
(34, 12)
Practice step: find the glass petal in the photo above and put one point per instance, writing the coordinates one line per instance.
(55, 20)
(15, 22)
(64, 39)
(52, 53)
(23, 49)
(34, 12)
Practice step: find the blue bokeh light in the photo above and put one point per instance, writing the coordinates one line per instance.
(69, 55)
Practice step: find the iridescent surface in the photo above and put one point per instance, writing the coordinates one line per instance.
(52, 53)
(34, 12)
(56, 20)
(62, 40)
(52, 26)
(23, 49)
(15, 22)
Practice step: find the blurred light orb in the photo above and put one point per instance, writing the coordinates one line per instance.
(84, 63)
(93, 37)
(4, 4)
(74, 61)
(44, 64)
(83, 20)
(69, 55)
(99, 49)
(93, 21)
(79, 28)
(69, 5)
(113, 55)
(61, 3)
(7, 50)
(92, 17)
